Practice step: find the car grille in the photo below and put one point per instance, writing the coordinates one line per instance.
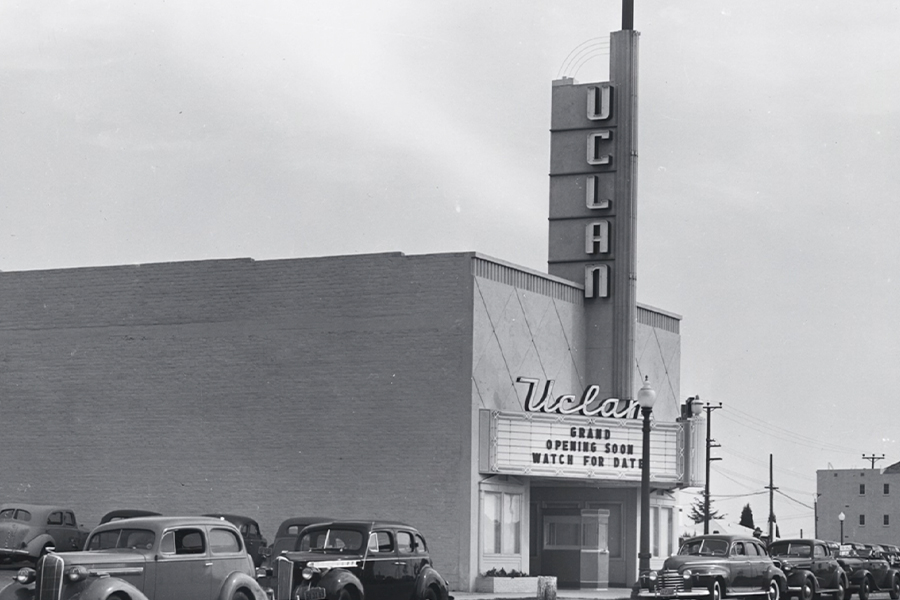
(48, 584)
(285, 581)
(669, 580)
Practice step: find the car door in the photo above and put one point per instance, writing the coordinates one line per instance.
(408, 563)
(758, 562)
(227, 555)
(56, 529)
(381, 569)
(740, 568)
(184, 569)
(824, 567)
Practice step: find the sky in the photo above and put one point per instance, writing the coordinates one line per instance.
(155, 131)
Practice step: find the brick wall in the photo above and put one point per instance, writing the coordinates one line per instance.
(337, 386)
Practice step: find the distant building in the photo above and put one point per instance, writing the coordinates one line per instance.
(869, 500)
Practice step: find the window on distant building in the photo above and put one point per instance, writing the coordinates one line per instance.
(887, 489)
(887, 520)
(862, 489)
(862, 520)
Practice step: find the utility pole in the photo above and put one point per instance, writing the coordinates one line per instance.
(771, 489)
(873, 458)
(710, 443)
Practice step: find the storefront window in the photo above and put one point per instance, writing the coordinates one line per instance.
(562, 532)
(502, 526)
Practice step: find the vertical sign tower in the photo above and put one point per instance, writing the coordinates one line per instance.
(593, 195)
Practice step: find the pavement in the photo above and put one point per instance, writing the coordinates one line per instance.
(564, 594)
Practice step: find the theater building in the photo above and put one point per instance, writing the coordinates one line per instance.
(490, 405)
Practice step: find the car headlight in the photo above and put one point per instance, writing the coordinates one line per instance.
(77, 573)
(686, 574)
(308, 572)
(25, 575)
(652, 575)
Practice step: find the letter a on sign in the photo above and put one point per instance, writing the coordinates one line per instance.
(596, 281)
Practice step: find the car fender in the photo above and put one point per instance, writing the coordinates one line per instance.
(13, 590)
(102, 587)
(335, 579)
(241, 580)
(798, 576)
(858, 575)
(427, 577)
(35, 545)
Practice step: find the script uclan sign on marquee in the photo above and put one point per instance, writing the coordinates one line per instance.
(563, 442)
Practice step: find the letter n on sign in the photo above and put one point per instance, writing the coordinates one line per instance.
(596, 281)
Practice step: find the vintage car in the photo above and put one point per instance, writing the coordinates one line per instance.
(249, 529)
(146, 558)
(350, 560)
(867, 571)
(716, 566)
(810, 568)
(126, 513)
(28, 531)
(891, 554)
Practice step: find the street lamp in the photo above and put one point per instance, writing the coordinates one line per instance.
(646, 398)
(841, 518)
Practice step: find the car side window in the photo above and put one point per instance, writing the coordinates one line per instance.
(381, 541)
(252, 529)
(421, 548)
(183, 541)
(55, 518)
(751, 549)
(69, 519)
(738, 549)
(405, 542)
(819, 551)
(223, 541)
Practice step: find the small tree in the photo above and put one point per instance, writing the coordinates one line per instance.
(696, 515)
(747, 517)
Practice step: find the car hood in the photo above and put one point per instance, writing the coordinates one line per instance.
(679, 562)
(792, 560)
(325, 561)
(14, 535)
(104, 560)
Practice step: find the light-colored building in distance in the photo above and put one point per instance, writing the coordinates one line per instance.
(869, 500)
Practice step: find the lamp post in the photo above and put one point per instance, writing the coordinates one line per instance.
(841, 518)
(646, 398)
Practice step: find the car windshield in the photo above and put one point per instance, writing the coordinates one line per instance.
(135, 539)
(330, 541)
(15, 514)
(790, 549)
(705, 547)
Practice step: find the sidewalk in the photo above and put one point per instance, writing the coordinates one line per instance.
(565, 594)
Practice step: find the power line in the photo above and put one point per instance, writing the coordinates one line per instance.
(792, 436)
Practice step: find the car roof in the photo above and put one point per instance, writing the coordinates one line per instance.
(158, 523)
(358, 524)
(799, 540)
(35, 508)
(127, 513)
(302, 521)
(232, 518)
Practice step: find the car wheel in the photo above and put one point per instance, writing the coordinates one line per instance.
(239, 595)
(773, 592)
(864, 589)
(715, 590)
(430, 594)
(895, 587)
(345, 594)
(841, 591)
(807, 590)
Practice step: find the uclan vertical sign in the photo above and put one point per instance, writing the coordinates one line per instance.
(593, 175)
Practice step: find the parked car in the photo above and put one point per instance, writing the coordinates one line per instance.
(249, 529)
(810, 568)
(289, 530)
(146, 558)
(892, 554)
(716, 567)
(28, 531)
(345, 560)
(126, 513)
(867, 571)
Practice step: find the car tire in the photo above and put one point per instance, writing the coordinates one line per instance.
(895, 587)
(715, 590)
(807, 590)
(773, 591)
(841, 592)
(863, 592)
(345, 594)
(239, 595)
(429, 594)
